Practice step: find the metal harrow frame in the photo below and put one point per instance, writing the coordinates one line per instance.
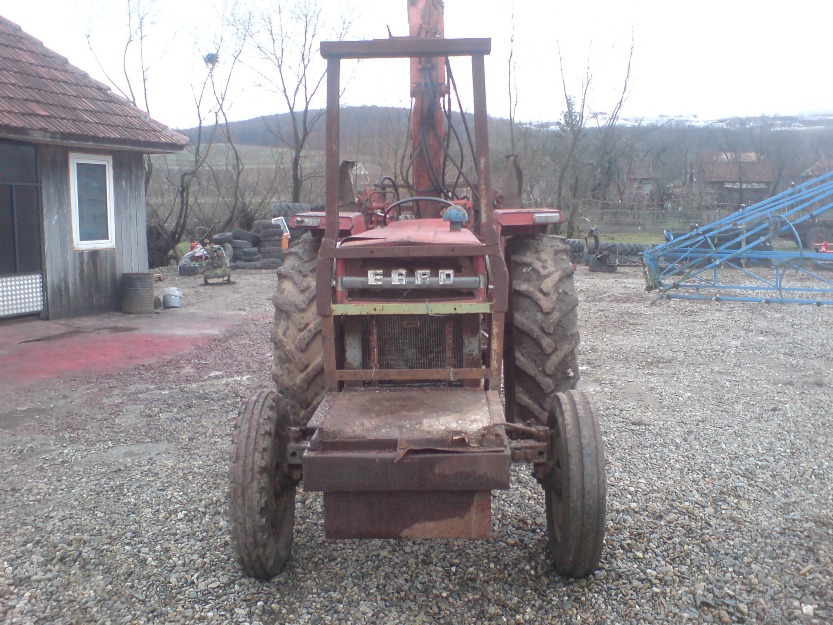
(736, 258)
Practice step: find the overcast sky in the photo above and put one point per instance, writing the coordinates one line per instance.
(708, 59)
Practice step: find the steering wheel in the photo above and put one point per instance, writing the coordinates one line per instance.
(398, 204)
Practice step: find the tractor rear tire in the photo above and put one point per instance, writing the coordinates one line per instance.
(261, 495)
(542, 327)
(575, 492)
(298, 347)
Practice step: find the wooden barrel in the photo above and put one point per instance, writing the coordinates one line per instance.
(136, 293)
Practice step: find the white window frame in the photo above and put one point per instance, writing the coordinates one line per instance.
(76, 158)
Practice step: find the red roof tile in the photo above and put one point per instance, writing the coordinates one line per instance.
(759, 171)
(43, 97)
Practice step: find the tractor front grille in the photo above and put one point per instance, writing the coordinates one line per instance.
(412, 341)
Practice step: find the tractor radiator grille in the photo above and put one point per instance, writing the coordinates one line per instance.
(412, 341)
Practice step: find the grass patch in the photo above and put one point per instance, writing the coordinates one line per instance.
(644, 238)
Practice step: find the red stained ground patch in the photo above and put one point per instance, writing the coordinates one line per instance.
(36, 351)
(89, 355)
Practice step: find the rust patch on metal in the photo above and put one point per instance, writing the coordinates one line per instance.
(402, 514)
(402, 414)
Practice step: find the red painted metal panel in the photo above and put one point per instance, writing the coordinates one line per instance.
(417, 231)
(437, 514)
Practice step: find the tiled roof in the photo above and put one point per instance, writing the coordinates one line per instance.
(758, 171)
(730, 156)
(44, 98)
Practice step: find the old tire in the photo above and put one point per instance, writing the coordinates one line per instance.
(575, 493)
(260, 224)
(817, 234)
(271, 233)
(298, 349)
(542, 327)
(576, 250)
(244, 235)
(222, 238)
(261, 495)
(628, 249)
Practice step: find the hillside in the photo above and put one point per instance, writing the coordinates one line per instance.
(266, 131)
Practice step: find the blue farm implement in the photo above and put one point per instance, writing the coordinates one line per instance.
(767, 252)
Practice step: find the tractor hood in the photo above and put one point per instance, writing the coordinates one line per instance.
(414, 232)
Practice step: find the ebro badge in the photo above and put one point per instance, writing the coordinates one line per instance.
(400, 276)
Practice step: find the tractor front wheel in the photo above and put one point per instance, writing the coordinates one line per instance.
(261, 494)
(575, 489)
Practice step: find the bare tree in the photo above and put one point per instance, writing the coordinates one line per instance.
(580, 164)
(242, 197)
(169, 216)
(171, 206)
(139, 20)
(513, 87)
(287, 39)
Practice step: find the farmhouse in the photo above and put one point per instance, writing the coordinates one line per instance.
(72, 185)
(735, 179)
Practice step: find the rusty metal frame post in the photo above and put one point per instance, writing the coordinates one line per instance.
(481, 146)
(324, 268)
(497, 264)
(331, 163)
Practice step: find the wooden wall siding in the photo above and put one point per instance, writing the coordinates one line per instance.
(87, 282)
(131, 215)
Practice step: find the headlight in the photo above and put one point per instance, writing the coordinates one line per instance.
(547, 218)
(301, 221)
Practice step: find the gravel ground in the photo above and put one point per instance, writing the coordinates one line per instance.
(717, 425)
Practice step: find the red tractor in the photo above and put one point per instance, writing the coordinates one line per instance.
(399, 317)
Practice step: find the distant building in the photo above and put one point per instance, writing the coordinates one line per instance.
(72, 196)
(733, 179)
(642, 186)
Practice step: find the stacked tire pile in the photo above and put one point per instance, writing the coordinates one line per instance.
(244, 248)
(271, 237)
(261, 248)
